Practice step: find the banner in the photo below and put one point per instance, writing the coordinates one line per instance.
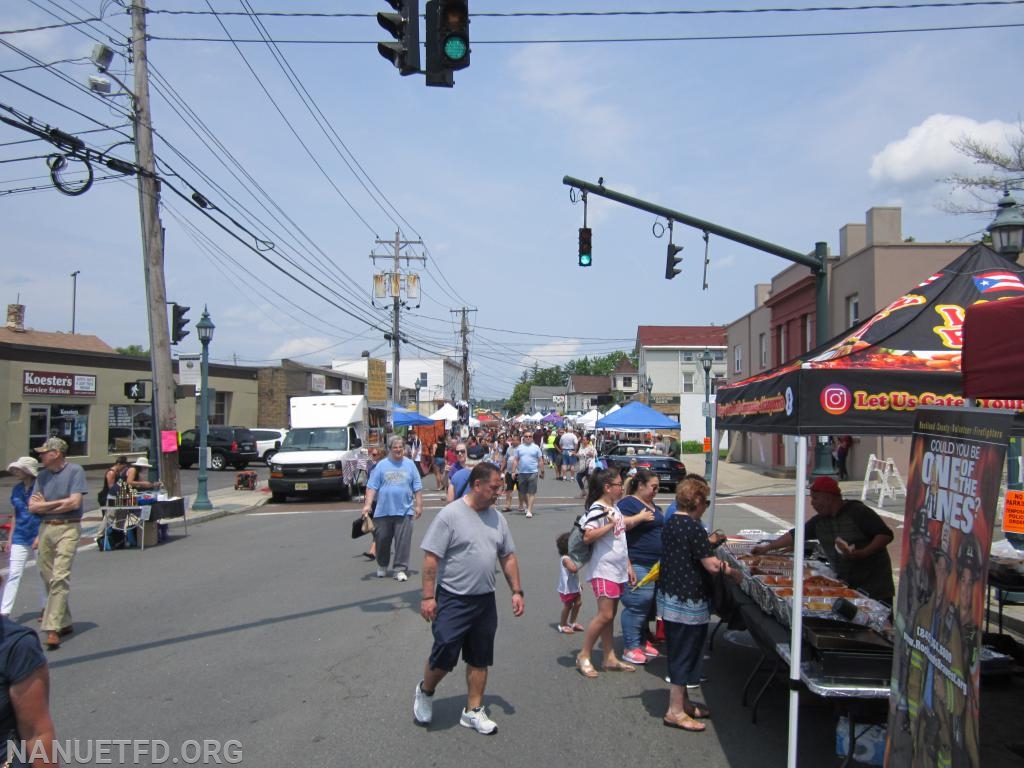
(956, 465)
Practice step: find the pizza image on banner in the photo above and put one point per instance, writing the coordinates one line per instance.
(956, 467)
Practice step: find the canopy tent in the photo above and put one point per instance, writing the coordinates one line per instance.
(613, 409)
(870, 380)
(993, 363)
(446, 412)
(636, 416)
(589, 419)
(552, 418)
(406, 418)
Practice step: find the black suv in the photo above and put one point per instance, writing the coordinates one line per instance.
(228, 445)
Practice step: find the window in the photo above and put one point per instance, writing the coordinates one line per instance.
(762, 346)
(68, 422)
(129, 428)
(219, 409)
(852, 310)
(687, 381)
(737, 362)
(627, 382)
(783, 355)
(688, 356)
(808, 333)
(719, 355)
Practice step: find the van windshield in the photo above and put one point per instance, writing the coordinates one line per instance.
(316, 439)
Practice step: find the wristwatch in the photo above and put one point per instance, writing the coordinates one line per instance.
(517, 592)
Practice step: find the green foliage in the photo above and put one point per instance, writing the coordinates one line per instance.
(132, 350)
(558, 376)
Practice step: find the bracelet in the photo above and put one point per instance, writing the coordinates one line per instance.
(517, 592)
(429, 597)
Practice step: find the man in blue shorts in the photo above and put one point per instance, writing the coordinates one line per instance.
(459, 549)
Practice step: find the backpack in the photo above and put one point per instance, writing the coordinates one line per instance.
(579, 550)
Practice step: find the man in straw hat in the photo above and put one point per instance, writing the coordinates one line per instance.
(59, 502)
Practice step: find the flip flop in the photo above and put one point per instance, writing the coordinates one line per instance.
(684, 724)
(566, 629)
(585, 667)
(699, 712)
(619, 666)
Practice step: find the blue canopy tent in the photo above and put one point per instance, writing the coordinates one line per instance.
(636, 416)
(406, 418)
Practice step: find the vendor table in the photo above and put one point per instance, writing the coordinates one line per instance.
(134, 518)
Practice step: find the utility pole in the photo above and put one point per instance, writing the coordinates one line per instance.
(464, 332)
(163, 415)
(391, 284)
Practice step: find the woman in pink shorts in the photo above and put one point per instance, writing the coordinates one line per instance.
(604, 529)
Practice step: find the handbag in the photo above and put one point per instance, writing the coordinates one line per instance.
(362, 526)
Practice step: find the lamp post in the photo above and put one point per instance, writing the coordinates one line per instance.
(706, 361)
(649, 386)
(204, 328)
(1007, 230)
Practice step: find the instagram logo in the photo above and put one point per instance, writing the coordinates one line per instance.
(835, 399)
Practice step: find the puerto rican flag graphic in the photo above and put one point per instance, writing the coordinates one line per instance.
(990, 282)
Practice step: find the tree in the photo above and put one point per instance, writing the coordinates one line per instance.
(1004, 169)
(132, 350)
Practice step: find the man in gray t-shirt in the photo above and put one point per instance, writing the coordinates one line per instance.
(459, 550)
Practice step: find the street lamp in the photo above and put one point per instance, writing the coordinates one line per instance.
(205, 330)
(649, 386)
(1007, 229)
(706, 361)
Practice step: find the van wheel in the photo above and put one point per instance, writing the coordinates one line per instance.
(268, 456)
(278, 498)
(217, 462)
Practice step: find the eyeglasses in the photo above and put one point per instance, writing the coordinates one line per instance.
(461, 450)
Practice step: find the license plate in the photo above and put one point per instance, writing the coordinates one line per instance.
(302, 486)
(664, 477)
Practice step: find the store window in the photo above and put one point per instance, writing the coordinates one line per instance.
(129, 428)
(687, 381)
(68, 422)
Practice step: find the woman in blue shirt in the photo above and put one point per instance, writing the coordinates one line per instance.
(23, 532)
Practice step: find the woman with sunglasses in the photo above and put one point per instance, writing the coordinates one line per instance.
(604, 529)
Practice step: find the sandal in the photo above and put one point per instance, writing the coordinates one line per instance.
(566, 629)
(578, 627)
(697, 712)
(684, 723)
(619, 666)
(585, 667)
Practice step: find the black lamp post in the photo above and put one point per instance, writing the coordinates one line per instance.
(706, 361)
(649, 386)
(205, 330)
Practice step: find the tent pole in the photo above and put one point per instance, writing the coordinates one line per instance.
(796, 616)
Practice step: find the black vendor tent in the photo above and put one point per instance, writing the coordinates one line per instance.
(870, 380)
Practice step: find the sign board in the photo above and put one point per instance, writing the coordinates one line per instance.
(189, 369)
(318, 383)
(707, 410)
(376, 382)
(1013, 512)
(58, 383)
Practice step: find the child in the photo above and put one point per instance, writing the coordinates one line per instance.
(568, 588)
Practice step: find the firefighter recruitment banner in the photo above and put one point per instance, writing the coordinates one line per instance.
(956, 466)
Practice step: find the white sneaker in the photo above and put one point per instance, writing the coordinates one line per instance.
(381, 573)
(422, 706)
(478, 720)
(401, 576)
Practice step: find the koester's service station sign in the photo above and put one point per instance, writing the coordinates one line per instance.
(58, 383)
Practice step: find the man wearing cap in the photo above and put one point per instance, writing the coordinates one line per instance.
(59, 502)
(853, 536)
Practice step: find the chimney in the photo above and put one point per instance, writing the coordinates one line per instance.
(16, 317)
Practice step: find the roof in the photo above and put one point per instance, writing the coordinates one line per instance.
(680, 336)
(591, 385)
(538, 392)
(74, 342)
(625, 365)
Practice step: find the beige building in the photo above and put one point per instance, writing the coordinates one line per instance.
(74, 386)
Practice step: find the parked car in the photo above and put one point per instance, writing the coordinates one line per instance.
(228, 445)
(669, 470)
(268, 441)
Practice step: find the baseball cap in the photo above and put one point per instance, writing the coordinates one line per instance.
(53, 444)
(826, 485)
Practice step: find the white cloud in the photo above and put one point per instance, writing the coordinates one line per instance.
(301, 346)
(551, 354)
(927, 154)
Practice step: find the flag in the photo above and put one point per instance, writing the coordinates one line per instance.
(930, 280)
(991, 282)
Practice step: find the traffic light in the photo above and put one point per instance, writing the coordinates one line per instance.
(404, 26)
(586, 254)
(447, 40)
(671, 260)
(178, 322)
(136, 390)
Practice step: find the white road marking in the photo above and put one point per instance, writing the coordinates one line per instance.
(759, 513)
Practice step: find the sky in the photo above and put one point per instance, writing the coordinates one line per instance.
(781, 125)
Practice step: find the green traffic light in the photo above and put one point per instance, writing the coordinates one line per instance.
(585, 259)
(455, 48)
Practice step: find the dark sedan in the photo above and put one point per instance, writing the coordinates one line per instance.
(669, 470)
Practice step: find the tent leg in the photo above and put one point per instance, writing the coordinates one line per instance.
(796, 618)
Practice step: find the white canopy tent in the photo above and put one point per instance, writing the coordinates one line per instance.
(447, 412)
(589, 419)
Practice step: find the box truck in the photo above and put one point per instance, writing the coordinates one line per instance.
(326, 433)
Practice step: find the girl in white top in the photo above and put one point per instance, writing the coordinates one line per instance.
(604, 529)
(568, 588)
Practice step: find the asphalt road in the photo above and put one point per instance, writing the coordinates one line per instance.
(271, 630)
